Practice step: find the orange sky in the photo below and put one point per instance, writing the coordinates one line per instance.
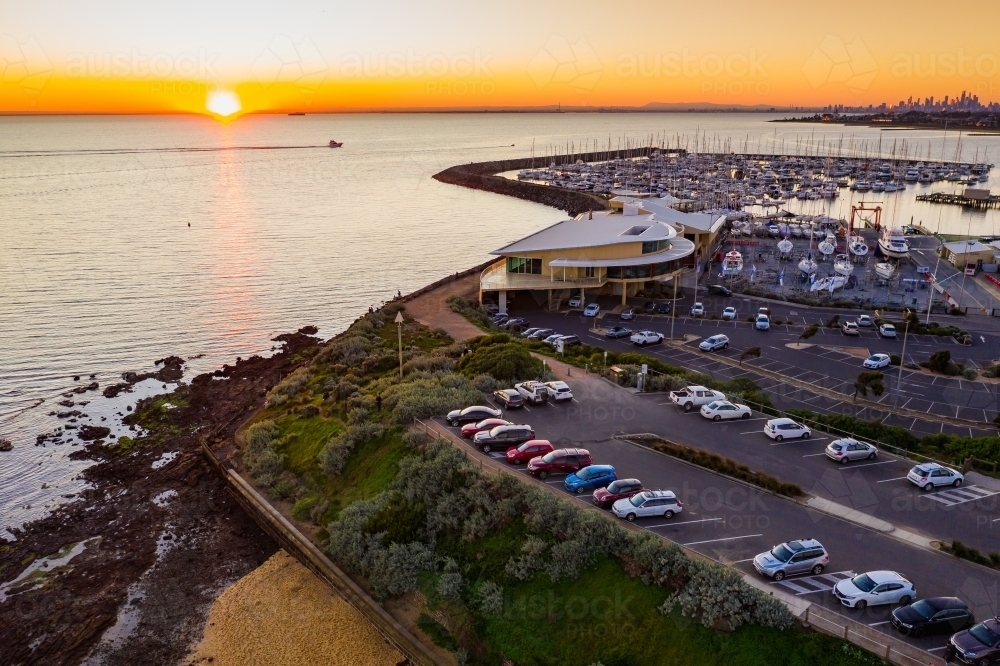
(116, 57)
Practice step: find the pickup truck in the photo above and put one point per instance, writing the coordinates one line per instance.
(533, 392)
(690, 397)
(643, 338)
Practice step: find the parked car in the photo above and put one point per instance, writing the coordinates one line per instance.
(719, 290)
(541, 334)
(648, 503)
(559, 391)
(887, 331)
(570, 340)
(491, 307)
(864, 320)
(532, 391)
(980, 644)
(649, 307)
(762, 323)
(528, 332)
(928, 476)
(469, 430)
(616, 490)
(514, 322)
(503, 437)
(874, 588)
(551, 340)
(723, 409)
(663, 308)
(471, 414)
(846, 449)
(714, 343)
(850, 328)
(876, 361)
(560, 461)
(590, 478)
(933, 615)
(779, 429)
(643, 338)
(575, 301)
(616, 332)
(698, 310)
(690, 397)
(729, 313)
(792, 557)
(509, 398)
(499, 319)
(627, 314)
(592, 310)
(531, 449)
(764, 311)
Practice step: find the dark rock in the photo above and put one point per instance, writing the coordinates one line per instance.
(76, 378)
(6, 445)
(309, 330)
(90, 433)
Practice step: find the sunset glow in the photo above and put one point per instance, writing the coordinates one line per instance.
(223, 103)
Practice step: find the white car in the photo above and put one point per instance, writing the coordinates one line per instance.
(643, 338)
(697, 310)
(875, 588)
(928, 476)
(887, 331)
(846, 449)
(714, 343)
(729, 313)
(574, 301)
(591, 310)
(663, 503)
(723, 409)
(560, 391)
(864, 320)
(551, 340)
(876, 361)
(534, 392)
(690, 397)
(779, 429)
(763, 323)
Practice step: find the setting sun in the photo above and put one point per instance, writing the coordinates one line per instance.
(223, 103)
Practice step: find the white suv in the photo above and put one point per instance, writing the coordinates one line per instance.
(648, 503)
(793, 557)
(931, 475)
(560, 391)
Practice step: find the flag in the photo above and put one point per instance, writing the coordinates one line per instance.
(753, 271)
(781, 277)
(698, 268)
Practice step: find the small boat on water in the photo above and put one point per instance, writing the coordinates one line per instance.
(892, 243)
(884, 270)
(732, 264)
(336, 144)
(842, 265)
(858, 246)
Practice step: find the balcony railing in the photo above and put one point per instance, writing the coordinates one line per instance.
(496, 278)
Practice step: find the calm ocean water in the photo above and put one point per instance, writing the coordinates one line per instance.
(126, 239)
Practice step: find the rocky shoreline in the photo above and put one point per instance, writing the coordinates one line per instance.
(137, 559)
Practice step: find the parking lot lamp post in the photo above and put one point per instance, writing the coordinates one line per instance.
(902, 358)
(399, 329)
(605, 359)
(673, 306)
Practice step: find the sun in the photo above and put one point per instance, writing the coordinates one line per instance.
(223, 103)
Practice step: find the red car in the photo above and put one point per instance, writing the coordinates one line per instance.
(469, 430)
(560, 461)
(620, 489)
(528, 451)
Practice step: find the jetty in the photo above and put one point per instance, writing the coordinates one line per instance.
(979, 199)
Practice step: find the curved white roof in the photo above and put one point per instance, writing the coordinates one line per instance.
(679, 248)
(599, 231)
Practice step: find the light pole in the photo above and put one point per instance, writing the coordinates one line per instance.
(673, 306)
(902, 358)
(399, 330)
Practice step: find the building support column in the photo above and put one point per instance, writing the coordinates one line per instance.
(624, 292)
(502, 301)
(583, 297)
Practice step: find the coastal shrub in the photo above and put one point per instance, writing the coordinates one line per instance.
(394, 570)
(429, 363)
(347, 351)
(284, 487)
(489, 598)
(485, 383)
(358, 415)
(993, 371)
(529, 562)
(342, 389)
(474, 312)
(970, 374)
(507, 362)
(941, 363)
(301, 509)
(260, 435)
(415, 438)
(428, 396)
(309, 411)
(266, 466)
(895, 359)
(379, 361)
(450, 583)
(288, 387)
(338, 448)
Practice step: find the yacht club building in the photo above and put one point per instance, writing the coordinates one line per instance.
(602, 253)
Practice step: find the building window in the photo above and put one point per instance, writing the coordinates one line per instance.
(654, 246)
(524, 265)
(588, 272)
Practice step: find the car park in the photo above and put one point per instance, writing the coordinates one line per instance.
(979, 644)
(533, 448)
(729, 313)
(509, 398)
(575, 301)
(469, 430)
(877, 361)
(724, 410)
(534, 392)
(850, 328)
(874, 588)
(627, 314)
(592, 310)
(663, 308)
(503, 437)
(928, 476)
(792, 557)
(762, 323)
(589, 478)
(690, 397)
(934, 615)
(887, 331)
(648, 503)
(560, 461)
(864, 320)
(781, 429)
(472, 414)
(719, 290)
(616, 332)
(649, 307)
(616, 490)
(846, 449)
(714, 343)
(643, 338)
(559, 391)
(541, 334)
(698, 310)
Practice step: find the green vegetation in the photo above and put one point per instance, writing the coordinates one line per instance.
(869, 380)
(959, 549)
(809, 332)
(750, 352)
(941, 363)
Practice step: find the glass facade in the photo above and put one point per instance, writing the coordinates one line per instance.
(642, 272)
(524, 265)
(649, 247)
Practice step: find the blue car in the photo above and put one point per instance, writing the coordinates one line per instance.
(591, 310)
(590, 478)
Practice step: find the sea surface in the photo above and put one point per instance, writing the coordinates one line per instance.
(126, 239)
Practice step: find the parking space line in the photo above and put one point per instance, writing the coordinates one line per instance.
(813, 455)
(898, 478)
(800, 440)
(745, 536)
(878, 624)
(686, 522)
(884, 462)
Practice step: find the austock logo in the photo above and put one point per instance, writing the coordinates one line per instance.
(284, 60)
(836, 62)
(24, 63)
(561, 62)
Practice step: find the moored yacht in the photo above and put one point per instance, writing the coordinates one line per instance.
(884, 269)
(843, 265)
(892, 243)
(732, 264)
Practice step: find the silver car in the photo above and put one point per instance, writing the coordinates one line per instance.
(846, 449)
(792, 557)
